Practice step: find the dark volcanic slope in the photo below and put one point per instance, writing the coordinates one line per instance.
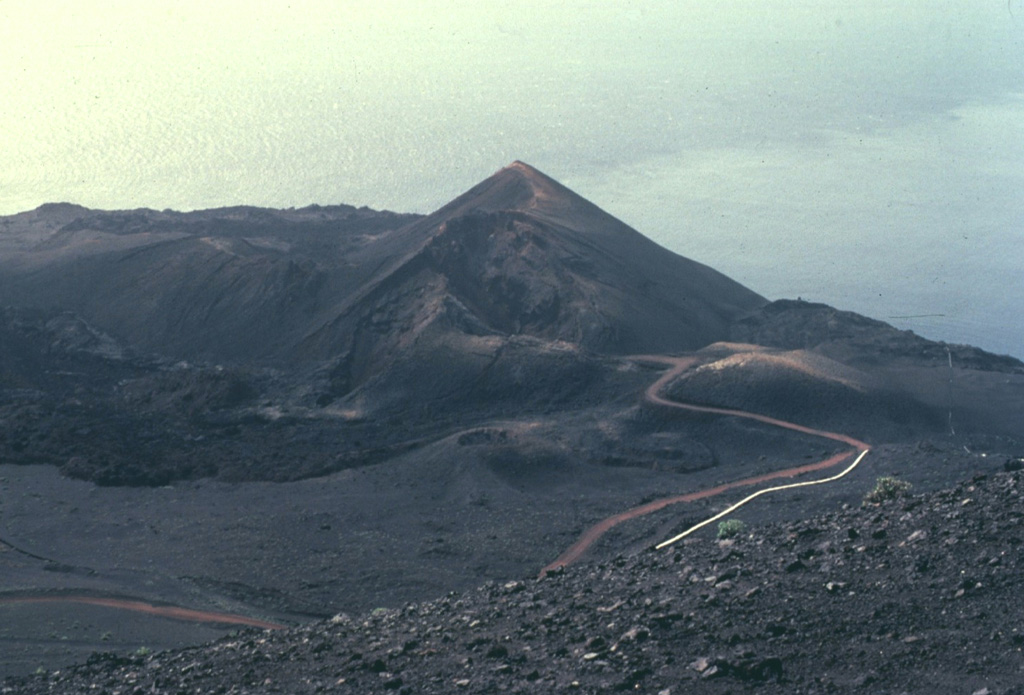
(919, 595)
(518, 253)
(620, 291)
(221, 285)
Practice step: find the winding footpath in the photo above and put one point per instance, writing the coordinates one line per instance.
(173, 612)
(127, 604)
(678, 365)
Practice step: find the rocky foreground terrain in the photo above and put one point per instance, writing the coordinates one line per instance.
(917, 594)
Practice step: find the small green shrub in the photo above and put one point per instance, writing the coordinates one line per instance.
(730, 528)
(887, 488)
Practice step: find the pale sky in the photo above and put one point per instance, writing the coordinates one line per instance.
(869, 155)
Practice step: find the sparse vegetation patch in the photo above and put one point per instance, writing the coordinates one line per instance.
(887, 488)
(730, 528)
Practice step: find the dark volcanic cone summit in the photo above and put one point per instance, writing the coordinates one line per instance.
(522, 241)
(521, 254)
(522, 188)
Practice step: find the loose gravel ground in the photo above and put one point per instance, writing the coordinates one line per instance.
(916, 595)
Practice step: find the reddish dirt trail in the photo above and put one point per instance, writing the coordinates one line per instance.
(681, 364)
(173, 612)
(653, 394)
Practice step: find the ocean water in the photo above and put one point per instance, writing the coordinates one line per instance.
(921, 226)
(867, 156)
